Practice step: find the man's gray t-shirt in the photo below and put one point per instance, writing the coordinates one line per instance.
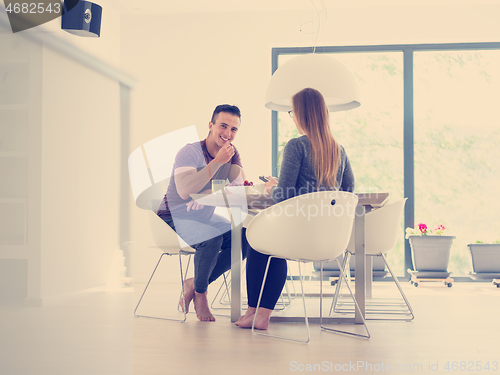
(193, 155)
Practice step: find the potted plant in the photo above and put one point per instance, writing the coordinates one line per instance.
(485, 260)
(430, 249)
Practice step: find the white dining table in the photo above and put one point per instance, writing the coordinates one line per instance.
(238, 203)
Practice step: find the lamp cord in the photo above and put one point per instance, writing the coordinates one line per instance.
(318, 16)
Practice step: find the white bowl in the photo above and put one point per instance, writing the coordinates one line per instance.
(258, 189)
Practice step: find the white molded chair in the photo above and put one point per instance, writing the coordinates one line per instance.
(150, 168)
(382, 227)
(313, 227)
(169, 243)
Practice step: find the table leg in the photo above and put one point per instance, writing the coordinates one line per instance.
(369, 268)
(236, 264)
(360, 282)
(369, 276)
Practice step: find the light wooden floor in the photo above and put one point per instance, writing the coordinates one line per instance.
(97, 334)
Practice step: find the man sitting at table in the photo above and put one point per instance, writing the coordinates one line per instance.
(195, 166)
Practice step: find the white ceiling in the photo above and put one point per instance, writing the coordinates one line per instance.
(207, 6)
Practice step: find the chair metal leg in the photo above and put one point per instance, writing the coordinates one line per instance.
(147, 285)
(293, 284)
(345, 263)
(281, 302)
(225, 294)
(376, 309)
(182, 284)
(258, 306)
(183, 277)
(288, 294)
(399, 288)
(342, 275)
(284, 304)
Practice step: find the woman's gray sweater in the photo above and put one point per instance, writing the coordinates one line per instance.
(297, 175)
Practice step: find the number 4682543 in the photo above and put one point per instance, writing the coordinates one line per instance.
(471, 366)
(33, 8)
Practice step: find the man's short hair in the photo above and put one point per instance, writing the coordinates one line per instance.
(228, 108)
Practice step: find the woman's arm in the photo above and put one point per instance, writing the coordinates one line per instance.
(348, 182)
(289, 172)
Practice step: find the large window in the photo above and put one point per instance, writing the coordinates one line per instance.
(426, 130)
(457, 146)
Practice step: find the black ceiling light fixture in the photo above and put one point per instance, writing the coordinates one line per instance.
(82, 18)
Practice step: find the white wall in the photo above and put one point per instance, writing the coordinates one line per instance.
(74, 181)
(80, 163)
(189, 63)
(80, 176)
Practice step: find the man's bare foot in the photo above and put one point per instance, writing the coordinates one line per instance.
(250, 311)
(200, 302)
(188, 293)
(261, 319)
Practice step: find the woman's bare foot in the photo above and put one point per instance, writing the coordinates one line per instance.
(246, 320)
(250, 311)
(261, 319)
(188, 293)
(200, 302)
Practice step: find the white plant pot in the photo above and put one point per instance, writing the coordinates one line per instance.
(485, 257)
(430, 253)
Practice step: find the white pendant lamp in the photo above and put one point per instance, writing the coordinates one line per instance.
(318, 71)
